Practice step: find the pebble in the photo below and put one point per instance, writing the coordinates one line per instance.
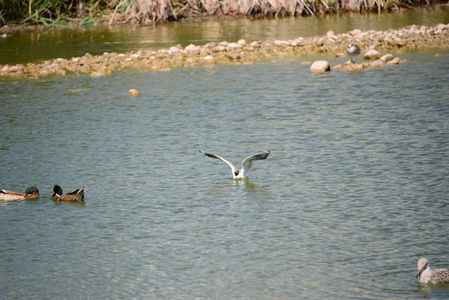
(133, 92)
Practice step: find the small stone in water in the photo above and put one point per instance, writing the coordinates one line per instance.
(133, 92)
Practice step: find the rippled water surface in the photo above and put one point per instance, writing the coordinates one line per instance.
(354, 192)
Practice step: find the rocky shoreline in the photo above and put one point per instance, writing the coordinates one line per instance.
(413, 37)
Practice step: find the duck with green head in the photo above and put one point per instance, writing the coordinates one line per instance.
(76, 195)
(30, 193)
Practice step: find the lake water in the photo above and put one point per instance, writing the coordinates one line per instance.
(354, 192)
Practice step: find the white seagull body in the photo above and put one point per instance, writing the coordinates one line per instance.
(247, 163)
(426, 275)
(353, 51)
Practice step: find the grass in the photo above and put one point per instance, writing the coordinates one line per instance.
(58, 12)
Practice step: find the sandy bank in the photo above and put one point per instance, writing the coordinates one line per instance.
(239, 52)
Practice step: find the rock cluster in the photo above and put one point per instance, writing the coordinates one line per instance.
(385, 60)
(242, 52)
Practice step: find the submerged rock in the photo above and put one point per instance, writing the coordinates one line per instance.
(387, 57)
(133, 92)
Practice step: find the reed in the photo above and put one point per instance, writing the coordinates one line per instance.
(56, 12)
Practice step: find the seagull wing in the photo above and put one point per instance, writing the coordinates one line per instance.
(221, 158)
(247, 163)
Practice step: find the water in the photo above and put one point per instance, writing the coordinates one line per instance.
(36, 46)
(354, 192)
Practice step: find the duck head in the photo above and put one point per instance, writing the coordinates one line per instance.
(32, 190)
(57, 190)
(32, 193)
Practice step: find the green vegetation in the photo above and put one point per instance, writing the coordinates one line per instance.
(57, 12)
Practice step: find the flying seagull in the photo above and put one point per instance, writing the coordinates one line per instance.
(353, 50)
(426, 275)
(247, 163)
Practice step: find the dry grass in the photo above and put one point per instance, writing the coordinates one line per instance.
(54, 12)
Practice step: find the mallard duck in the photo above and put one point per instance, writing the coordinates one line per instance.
(30, 193)
(76, 195)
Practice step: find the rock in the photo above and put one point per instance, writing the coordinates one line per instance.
(377, 64)
(350, 67)
(355, 32)
(133, 92)
(281, 43)
(218, 48)
(398, 43)
(442, 27)
(43, 73)
(320, 66)
(209, 59)
(387, 58)
(372, 54)
(16, 68)
(60, 72)
(241, 42)
(298, 42)
(234, 46)
(97, 74)
(174, 50)
(394, 61)
(330, 33)
(192, 48)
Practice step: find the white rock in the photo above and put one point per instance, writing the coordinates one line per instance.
(320, 66)
(281, 43)
(218, 48)
(387, 57)
(192, 48)
(372, 54)
(208, 59)
(174, 50)
(355, 32)
(255, 44)
(442, 27)
(234, 46)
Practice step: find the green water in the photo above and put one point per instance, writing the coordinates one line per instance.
(354, 192)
